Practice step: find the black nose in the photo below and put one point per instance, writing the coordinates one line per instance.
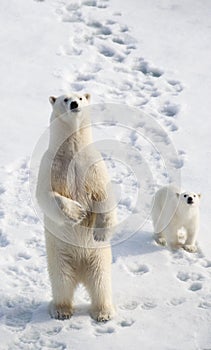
(73, 105)
(190, 200)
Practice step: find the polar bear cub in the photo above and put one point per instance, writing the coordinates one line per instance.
(174, 213)
(72, 181)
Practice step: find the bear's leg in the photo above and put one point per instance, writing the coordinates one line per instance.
(63, 287)
(190, 243)
(63, 278)
(98, 283)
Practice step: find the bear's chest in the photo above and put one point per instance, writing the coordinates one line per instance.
(69, 178)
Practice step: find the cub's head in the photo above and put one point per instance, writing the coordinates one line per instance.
(69, 104)
(190, 199)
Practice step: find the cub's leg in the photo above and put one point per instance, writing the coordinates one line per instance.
(98, 283)
(190, 243)
(172, 237)
(63, 279)
(158, 221)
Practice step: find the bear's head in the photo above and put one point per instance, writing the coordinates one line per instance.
(69, 105)
(190, 199)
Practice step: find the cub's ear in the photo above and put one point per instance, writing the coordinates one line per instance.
(52, 100)
(199, 195)
(88, 97)
(177, 194)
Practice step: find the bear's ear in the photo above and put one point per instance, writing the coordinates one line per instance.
(52, 100)
(88, 97)
(199, 195)
(177, 194)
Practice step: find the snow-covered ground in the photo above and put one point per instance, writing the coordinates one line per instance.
(152, 55)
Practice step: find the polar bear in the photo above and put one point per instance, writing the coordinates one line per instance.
(175, 213)
(73, 193)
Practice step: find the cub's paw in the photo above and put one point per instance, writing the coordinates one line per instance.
(190, 248)
(160, 240)
(60, 312)
(103, 315)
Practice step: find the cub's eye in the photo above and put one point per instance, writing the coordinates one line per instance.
(66, 100)
(80, 98)
(185, 195)
(194, 195)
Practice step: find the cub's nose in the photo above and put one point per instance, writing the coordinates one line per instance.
(190, 200)
(74, 105)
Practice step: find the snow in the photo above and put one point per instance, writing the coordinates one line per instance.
(154, 56)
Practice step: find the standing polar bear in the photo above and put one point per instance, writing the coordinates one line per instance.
(73, 193)
(174, 212)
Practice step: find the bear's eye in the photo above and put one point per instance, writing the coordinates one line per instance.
(80, 98)
(194, 195)
(185, 195)
(66, 100)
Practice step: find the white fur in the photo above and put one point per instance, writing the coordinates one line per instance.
(72, 192)
(171, 214)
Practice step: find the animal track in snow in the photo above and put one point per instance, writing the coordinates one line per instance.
(185, 276)
(134, 268)
(194, 287)
(176, 84)
(85, 77)
(2, 190)
(54, 330)
(170, 109)
(206, 263)
(177, 301)
(126, 323)
(74, 6)
(194, 278)
(149, 304)
(94, 23)
(94, 3)
(106, 51)
(91, 3)
(132, 305)
(144, 67)
(51, 344)
(206, 302)
(3, 240)
(103, 30)
(177, 163)
(105, 330)
(73, 18)
(18, 318)
(138, 269)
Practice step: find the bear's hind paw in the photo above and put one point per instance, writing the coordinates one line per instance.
(61, 312)
(103, 315)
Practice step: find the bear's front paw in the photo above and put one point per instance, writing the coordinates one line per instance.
(71, 210)
(190, 248)
(75, 213)
(103, 315)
